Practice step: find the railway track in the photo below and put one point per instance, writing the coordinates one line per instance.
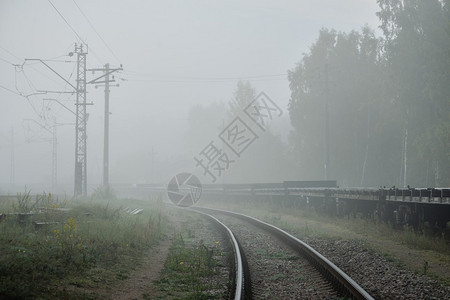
(268, 268)
(241, 283)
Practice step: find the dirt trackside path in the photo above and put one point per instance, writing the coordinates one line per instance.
(140, 283)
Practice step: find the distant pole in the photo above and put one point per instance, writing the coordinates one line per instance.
(327, 128)
(153, 166)
(106, 133)
(12, 157)
(405, 155)
(223, 128)
(54, 148)
(54, 158)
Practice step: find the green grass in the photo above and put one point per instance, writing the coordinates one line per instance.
(406, 236)
(187, 269)
(84, 245)
(308, 222)
(265, 253)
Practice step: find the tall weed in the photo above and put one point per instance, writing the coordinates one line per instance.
(58, 246)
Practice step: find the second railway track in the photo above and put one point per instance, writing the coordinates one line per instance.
(279, 265)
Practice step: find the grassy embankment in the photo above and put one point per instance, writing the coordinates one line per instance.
(48, 245)
(186, 272)
(196, 263)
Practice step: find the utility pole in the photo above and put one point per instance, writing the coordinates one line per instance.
(107, 80)
(153, 166)
(54, 141)
(54, 158)
(106, 134)
(12, 158)
(81, 116)
(327, 127)
(80, 187)
(405, 157)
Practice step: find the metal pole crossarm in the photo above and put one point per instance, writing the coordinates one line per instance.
(103, 69)
(104, 82)
(56, 100)
(53, 92)
(110, 71)
(33, 94)
(61, 124)
(38, 59)
(83, 104)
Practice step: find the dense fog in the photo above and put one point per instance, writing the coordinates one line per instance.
(353, 91)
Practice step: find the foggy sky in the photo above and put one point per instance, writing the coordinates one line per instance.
(175, 54)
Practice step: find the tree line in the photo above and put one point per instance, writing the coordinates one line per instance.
(365, 109)
(376, 108)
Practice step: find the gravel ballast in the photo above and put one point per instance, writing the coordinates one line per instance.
(379, 276)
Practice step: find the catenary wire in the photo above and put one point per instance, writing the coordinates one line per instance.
(135, 76)
(96, 32)
(6, 61)
(70, 26)
(74, 31)
(9, 90)
(10, 53)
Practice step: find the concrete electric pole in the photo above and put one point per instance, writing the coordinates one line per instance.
(106, 80)
(327, 127)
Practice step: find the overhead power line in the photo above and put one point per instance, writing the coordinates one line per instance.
(10, 53)
(158, 78)
(74, 31)
(9, 90)
(6, 61)
(206, 77)
(198, 81)
(96, 32)
(70, 26)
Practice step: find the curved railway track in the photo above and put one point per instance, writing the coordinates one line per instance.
(240, 287)
(325, 279)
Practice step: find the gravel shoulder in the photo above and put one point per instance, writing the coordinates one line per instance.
(386, 268)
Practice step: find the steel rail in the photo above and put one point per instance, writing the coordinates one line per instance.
(241, 272)
(330, 270)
